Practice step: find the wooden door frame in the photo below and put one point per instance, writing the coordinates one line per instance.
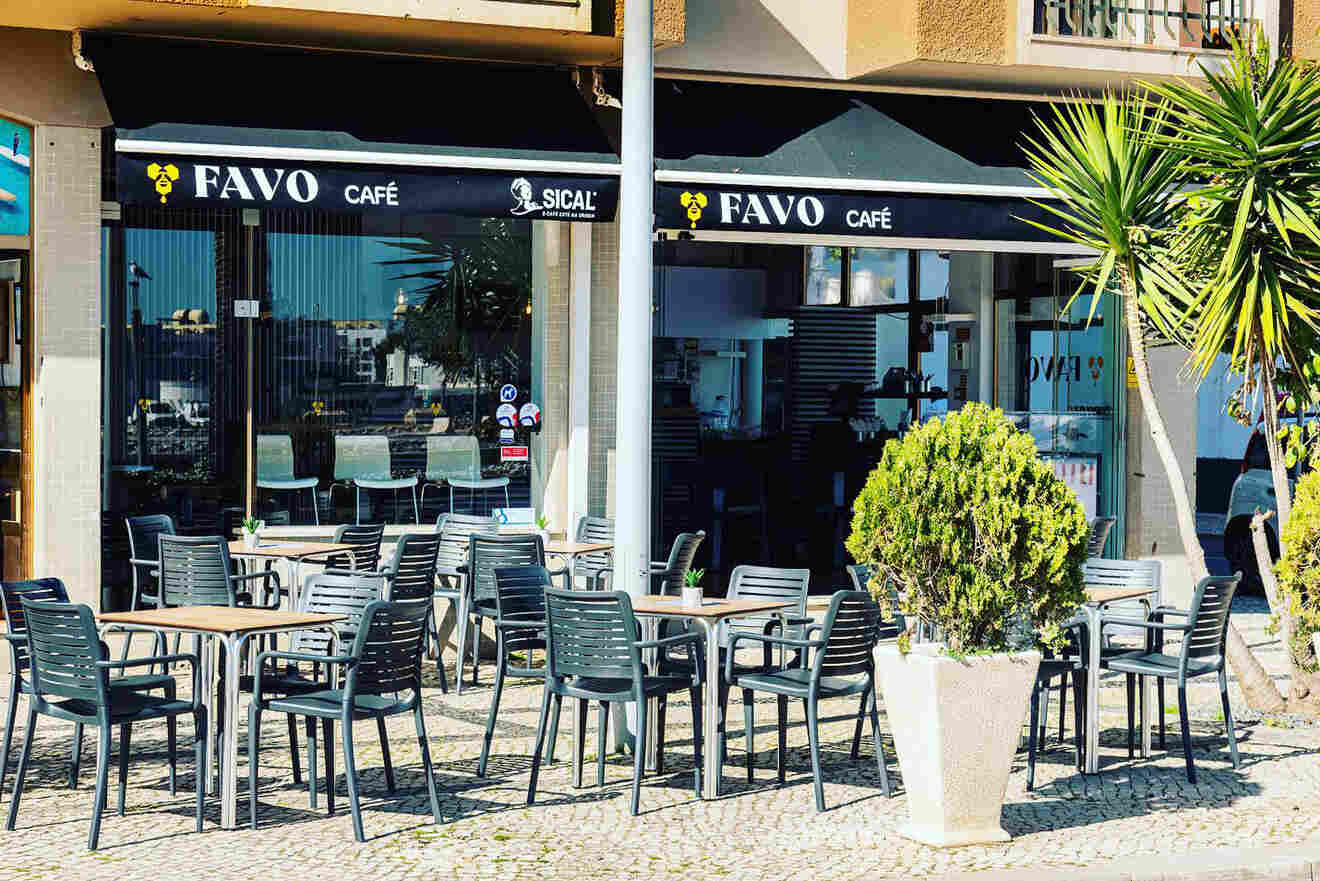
(24, 319)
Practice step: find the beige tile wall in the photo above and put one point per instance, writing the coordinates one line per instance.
(604, 347)
(551, 256)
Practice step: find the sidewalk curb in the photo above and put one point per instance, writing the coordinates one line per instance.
(1289, 862)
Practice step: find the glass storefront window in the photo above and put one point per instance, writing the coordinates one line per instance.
(877, 276)
(824, 276)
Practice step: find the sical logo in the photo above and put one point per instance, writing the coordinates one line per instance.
(523, 201)
(693, 202)
(164, 176)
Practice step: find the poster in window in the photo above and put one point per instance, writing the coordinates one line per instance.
(15, 178)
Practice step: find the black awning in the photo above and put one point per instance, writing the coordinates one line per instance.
(206, 124)
(750, 158)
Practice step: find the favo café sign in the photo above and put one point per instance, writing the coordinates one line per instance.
(346, 189)
(743, 209)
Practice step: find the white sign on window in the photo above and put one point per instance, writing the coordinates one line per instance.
(247, 308)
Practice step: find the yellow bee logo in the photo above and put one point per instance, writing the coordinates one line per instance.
(317, 407)
(142, 404)
(164, 176)
(693, 202)
(436, 409)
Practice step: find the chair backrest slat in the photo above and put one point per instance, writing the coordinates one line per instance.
(862, 575)
(850, 631)
(365, 540)
(413, 567)
(681, 555)
(1212, 605)
(591, 634)
(768, 583)
(594, 530)
(388, 647)
(194, 571)
(522, 598)
(1098, 534)
(64, 650)
(274, 457)
(486, 553)
(1103, 572)
(143, 533)
(453, 455)
(12, 594)
(347, 595)
(454, 530)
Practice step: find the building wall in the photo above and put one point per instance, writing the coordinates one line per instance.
(604, 350)
(39, 82)
(550, 370)
(67, 366)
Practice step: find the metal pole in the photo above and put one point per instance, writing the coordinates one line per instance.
(632, 532)
(249, 426)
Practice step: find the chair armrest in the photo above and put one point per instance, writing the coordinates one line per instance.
(14, 637)
(143, 662)
(136, 562)
(264, 573)
(529, 624)
(1170, 610)
(303, 656)
(358, 573)
(1148, 625)
(767, 641)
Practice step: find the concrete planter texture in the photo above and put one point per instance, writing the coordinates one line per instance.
(956, 724)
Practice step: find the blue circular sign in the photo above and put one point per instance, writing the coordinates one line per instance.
(508, 393)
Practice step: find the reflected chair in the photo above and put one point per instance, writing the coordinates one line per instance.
(596, 567)
(1204, 629)
(275, 468)
(382, 677)
(70, 680)
(593, 654)
(144, 561)
(327, 594)
(52, 590)
(828, 664)
(362, 461)
(519, 631)
(455, 459)
(451, 581)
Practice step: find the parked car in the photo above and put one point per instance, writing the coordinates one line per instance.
(1252, 491)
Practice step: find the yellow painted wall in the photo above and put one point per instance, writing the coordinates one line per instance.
(882, 35)
(1306, 29)
(670, 20)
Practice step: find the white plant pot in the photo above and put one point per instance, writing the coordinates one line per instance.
(956, 725)
(250, 540)
(545, 536)
(440, 425)
(692, 597)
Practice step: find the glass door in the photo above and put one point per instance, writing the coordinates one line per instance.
(15, 433)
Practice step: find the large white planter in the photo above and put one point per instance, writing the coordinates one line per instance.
(956, 725)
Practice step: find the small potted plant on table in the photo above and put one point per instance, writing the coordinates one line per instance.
(252, 532)
(693, 593)
(986, 543)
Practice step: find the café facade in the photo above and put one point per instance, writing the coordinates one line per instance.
(296, 283)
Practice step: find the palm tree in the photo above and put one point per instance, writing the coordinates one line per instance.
(1112, 182)
(1249, 144)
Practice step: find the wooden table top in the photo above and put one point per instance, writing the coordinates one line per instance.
(710, 608)
(1100, 595)
(573, 548)
(219, 619)
(288, 550)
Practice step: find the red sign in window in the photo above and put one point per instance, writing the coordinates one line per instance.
(513, 454)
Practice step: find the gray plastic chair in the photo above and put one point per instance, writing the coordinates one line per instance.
(365, 539)
(51, 590)
(144, 561)
(451, 582)
(385, 662)
(842, 650)
(519, 630)
(363, 462)
(1205, 632)
(70, 680)
(861, 575)
(667, 577)
(455, 459)
(486, 553)
(275, 468)
(198, 571)
(597, 567)
(327, 594)
(593, 654)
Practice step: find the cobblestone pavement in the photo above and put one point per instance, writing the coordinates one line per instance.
(757, 830)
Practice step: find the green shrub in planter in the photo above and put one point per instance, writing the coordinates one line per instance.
(1298, 571)
(975, 529)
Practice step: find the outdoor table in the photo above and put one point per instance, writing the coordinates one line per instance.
(707, 618)
(296, 553)
(1096, 599)
(234, 626)
(570, 550)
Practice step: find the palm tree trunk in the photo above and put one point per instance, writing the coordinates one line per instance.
(1257, 687)
(1278, 468)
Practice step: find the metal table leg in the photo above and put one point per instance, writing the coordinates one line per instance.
(1092, 689)
(710, 748)
(234, 646)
